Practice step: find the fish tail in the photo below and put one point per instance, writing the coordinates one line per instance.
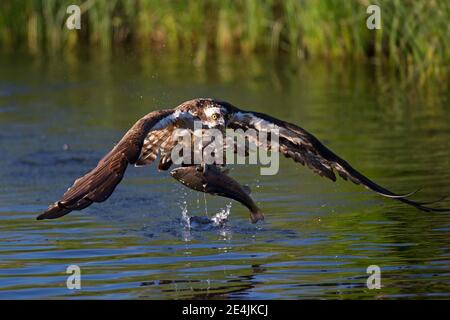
(256, 215)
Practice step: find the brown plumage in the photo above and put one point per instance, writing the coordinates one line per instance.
(98, 184)
(152, 135)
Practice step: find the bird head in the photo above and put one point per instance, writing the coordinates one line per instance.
(212, 114)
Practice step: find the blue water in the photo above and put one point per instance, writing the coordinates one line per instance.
(318, 238)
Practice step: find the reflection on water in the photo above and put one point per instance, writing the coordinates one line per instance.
(58, 118)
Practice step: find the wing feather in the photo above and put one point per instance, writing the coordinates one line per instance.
(99, 183)
(306, 149)
(152, 145)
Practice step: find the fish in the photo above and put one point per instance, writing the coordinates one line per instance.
(213, 180)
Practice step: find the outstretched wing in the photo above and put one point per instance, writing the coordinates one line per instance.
(304, 148)
(139, 145)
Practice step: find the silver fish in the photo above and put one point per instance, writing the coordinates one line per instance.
(214, 181)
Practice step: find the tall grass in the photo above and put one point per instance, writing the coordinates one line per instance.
(414, 35)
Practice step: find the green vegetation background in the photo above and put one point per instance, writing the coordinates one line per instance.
(413, 39)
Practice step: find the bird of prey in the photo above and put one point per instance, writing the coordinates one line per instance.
(152, 135)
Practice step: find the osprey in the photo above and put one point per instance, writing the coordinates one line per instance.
(153, 134)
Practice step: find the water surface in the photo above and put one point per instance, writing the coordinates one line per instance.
(319, 237)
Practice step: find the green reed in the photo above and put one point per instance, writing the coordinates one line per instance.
(414, 35)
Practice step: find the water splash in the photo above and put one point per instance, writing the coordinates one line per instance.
(203, 223)
(220, 218)
(206, 204)
(185, 219)
(185, 222)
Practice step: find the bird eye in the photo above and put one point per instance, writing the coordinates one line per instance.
(215, 116)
